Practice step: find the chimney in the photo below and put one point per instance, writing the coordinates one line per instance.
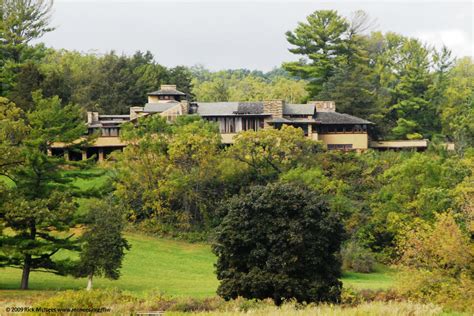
(184, 106)
(168, 87)
(324, 106)
(92, 117)
(274, 107)
(135, 112)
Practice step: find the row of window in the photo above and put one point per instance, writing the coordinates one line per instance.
(105, 131)
(340, 146)
(341, 129)
(228, 125)
(236, 124)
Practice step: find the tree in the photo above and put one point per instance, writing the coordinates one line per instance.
(28, 79)
(292, 91)
(103, 246)
(457, 110)
(417, 187)
(322, 43)
(21, 22)
(279, 242)
(352, 89)
(437, 263)
(271, 151)
(168, 172)
(13, 130)
(38, 208)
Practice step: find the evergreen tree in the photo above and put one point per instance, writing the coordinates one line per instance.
(322, 43)
(38, 208)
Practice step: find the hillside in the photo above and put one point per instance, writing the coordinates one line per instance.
(174, 267)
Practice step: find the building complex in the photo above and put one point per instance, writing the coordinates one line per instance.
(318, 119)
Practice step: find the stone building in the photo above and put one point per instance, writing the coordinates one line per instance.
(318, 119)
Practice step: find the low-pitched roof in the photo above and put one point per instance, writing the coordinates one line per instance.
(158, 107)
(230, 108)
(298, 109)
(167, 92)
(290, 120)
(281, 120)
(338, 118)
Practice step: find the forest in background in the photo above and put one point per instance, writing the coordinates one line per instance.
(407, 88)
(414, 210)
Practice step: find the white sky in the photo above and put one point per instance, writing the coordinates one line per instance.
(239, 34)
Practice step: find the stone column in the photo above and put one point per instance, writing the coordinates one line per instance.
(101, 154)
(310, 131)
(66, 154)
(49, 152)
(84, 154)
(273, 107)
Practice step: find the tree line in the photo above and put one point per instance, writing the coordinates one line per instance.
(277, 206)
(409, 89)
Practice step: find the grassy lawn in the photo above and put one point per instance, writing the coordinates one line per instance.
(382, 278)
(174, 267)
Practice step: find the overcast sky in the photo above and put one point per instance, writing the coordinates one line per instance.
(239, 34)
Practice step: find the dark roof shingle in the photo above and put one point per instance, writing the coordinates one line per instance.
(298, 109)
(167, 92)
(338, 118)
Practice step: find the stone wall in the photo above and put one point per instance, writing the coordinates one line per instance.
(324, 106)
(135, 112)
(273, 107)
(184, 107)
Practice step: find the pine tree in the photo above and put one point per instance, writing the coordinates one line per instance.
(322, 43)
(38, 207)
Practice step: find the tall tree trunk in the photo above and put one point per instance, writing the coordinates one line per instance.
(89, 282)
(25, 277)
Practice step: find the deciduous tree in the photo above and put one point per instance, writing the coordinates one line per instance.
(104, 246)
(279, 242)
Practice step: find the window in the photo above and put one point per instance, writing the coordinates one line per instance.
(110, 132)
(252, 123)
(342, 129)
(229, 125)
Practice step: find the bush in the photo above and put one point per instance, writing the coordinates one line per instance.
(426, 286)
(280, 242)
(357, 258)
(91, 299)
(438, 264)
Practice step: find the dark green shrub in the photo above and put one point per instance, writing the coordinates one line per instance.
(357, 258)
(280, 242)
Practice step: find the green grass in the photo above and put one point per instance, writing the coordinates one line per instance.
(174, 267)
(382, 278)
(90, 178)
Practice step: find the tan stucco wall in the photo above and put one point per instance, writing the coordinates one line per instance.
(228, 138)
(99, 142)
(313, 136)
(399, 143)
(153, 99)
(358, 141)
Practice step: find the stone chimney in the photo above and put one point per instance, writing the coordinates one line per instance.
(168, 87)
(184, 106)
(135, 112)
(324, 106)
(274, 107)
(92, 117)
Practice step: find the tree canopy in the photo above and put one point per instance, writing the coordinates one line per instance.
(280, 242)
